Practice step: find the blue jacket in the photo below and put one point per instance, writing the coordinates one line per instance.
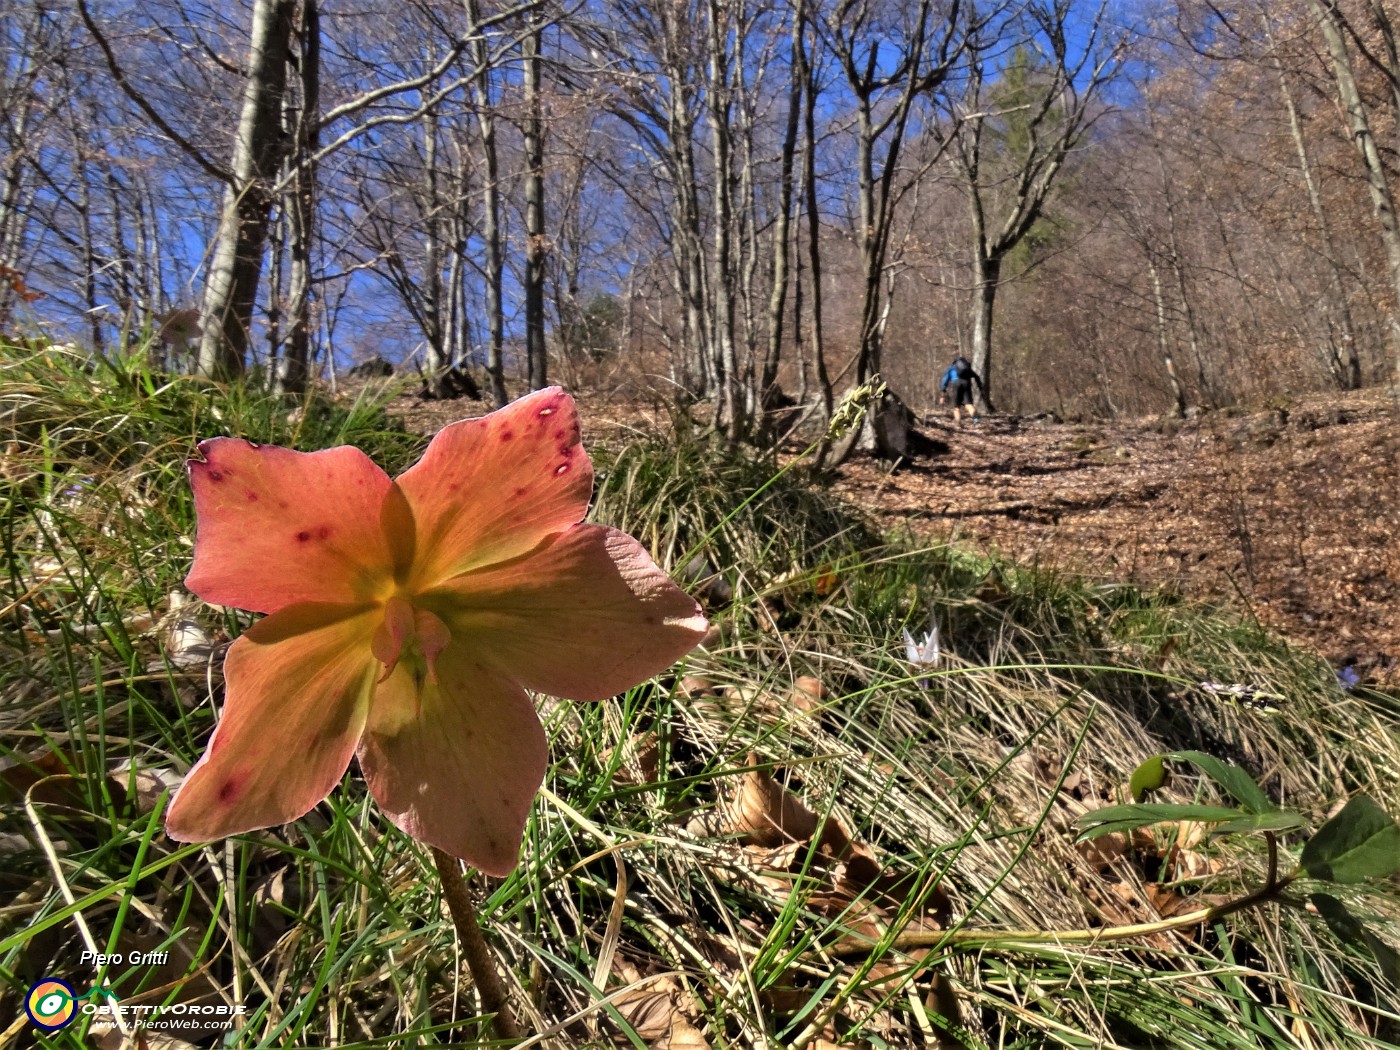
(951, 376)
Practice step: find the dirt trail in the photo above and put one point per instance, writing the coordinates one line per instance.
(1293, 515)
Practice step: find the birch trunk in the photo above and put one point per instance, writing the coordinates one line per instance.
(236, 267)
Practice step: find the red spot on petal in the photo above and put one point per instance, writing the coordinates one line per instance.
(521, 493)
(230, 789)
(214, 475)
(323, 532)
(252, 496)
(303, 536)
(507, 435)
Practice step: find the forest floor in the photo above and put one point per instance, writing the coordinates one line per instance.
(1290, 515)
(803, 809)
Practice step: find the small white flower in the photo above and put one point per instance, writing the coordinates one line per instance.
(922, 654)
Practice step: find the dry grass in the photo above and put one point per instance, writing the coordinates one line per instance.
(728, 855)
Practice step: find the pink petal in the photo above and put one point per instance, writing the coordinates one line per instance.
(493, 488)
(456, 763)
(299, 684)
(584, 617)
(277, 527)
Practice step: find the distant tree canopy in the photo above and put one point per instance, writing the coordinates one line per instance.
(1109, 208)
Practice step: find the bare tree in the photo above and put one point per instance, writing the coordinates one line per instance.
(1339, 35)
(782, 249)
(299, 202)
(536, 238)
(259, 151)
(1012, 135)
(652, 57)
(731, 415)
(1346, 373)
(892, 58)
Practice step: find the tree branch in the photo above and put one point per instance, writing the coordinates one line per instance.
(119, 75)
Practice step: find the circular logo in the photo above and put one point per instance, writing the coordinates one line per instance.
(50, 1004)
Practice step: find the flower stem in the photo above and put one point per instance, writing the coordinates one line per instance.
(479, 960)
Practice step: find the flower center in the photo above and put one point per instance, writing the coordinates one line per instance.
(411, 636)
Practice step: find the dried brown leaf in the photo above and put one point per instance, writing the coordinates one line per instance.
(1104, 852)
(640, 759)
(762, 812)
(657, 1010)
(807, 695)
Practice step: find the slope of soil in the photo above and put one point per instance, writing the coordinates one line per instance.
(1292, 515)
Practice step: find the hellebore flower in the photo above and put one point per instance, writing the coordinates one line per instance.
(407, 619)
(922, 654)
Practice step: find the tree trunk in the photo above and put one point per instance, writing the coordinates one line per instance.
(1164, 341)
(868, 361)
(689, 246)
(537, 246)
(459, 329)
(434, 330)
(1347, 374)
(730, 405)
(275, 249)
(988, 277)
(777, 301)
(747, 216)
(886, 77)
(296, 364)
(493, 264)
(811, 209)
(91, 265)
(30, 48)
(1377, 179)
(234, 271)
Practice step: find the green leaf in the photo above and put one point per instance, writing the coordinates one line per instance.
(1351, 930)
(1126, 818)
(1148, 777)
(1238, 784)
(1361, 842)
(1279, 820)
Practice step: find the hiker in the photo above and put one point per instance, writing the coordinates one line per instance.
(962, 376)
